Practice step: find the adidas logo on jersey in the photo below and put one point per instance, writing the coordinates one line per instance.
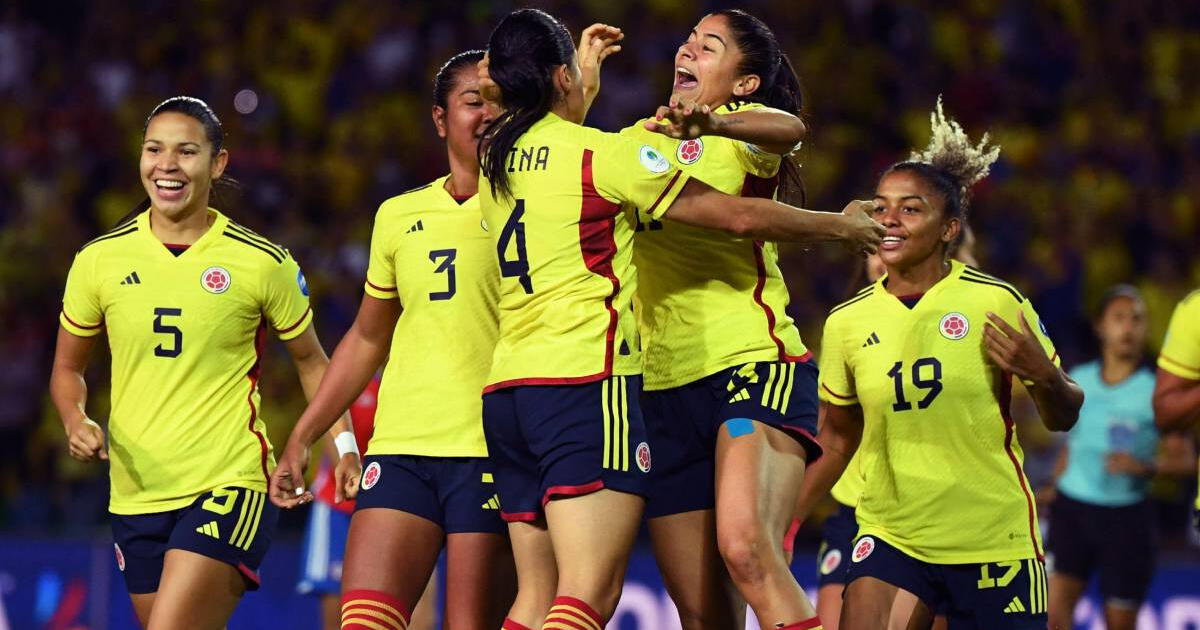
(1015, 606)
(209, 529)
(132, 279)
(416, 227)
(872, 340)
(492, 503)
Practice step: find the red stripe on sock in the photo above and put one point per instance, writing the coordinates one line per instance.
(509, 624)
(560, 621)
(578, 605)
(375, 601)
(807, 624)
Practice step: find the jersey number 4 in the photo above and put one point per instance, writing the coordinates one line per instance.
(514, 232)
(926, 374)
(172, 348)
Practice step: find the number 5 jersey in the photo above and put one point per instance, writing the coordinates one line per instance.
(940, 462)
(186, 333)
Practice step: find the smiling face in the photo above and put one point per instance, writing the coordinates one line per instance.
(177, 165)
(465, 116)
(914, 214)
(706, 66)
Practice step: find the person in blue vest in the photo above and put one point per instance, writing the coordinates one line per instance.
(1101, 522)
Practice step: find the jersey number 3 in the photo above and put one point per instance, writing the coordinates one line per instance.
(514, 230)
(172, 348)
(447, 267)
(926, 374)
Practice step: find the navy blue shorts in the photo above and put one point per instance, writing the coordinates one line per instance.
(324, 550)
(1117, 543)
(558, 441)
(1008, 595)
(837, 537)
(233, 525)
(683, 422)
(457, 493)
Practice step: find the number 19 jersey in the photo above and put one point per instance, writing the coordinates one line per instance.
(564, 244)
(186, 333)
(939, 459)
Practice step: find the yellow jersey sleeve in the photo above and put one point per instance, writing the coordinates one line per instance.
(285, 302)
(638, 175)
(81, 313)
(1181, 349)
(836, 377)
(752, 159)
(381, 269)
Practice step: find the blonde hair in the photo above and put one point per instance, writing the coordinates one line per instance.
(951, 151)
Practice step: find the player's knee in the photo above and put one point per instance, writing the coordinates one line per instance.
(746, 553)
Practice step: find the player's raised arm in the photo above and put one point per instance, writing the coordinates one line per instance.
(1019, 352)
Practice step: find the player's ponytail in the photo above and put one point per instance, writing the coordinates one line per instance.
(523, 53)
(779, 86)
(951, 164)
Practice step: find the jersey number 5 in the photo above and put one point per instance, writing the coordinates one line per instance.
(163, 328)
(447, 267)
(933, 384)
(518, 268)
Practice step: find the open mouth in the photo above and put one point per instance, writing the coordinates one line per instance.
(684, 79)
(170, 189)
(892, 242)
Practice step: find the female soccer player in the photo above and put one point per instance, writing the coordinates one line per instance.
(1110, 457)
(918, 366)
(720, 349)
(431, 299)
(561, 410)
(1177, 382)
(185, 295)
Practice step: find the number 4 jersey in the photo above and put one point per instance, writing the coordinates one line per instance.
(186, 333)
(564, 246)
(940, 462)
(430, 251)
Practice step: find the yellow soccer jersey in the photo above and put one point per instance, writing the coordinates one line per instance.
(1181, 349)
(706, 300)
(941, 466)
(849, 486)
(433, 254)
(186, 334)
(566, 271)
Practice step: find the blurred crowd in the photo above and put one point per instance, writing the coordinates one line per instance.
(326, 110)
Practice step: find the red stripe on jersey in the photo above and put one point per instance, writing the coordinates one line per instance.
(571, 491)
(379, 288)
(284, 331)
(587, 156)
(1005, 400)
(565, 380)
(77, 324)
(761, 266)
(835, 394)
(597, 243)
(260, 340)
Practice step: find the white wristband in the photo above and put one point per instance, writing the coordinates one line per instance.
(345, 443)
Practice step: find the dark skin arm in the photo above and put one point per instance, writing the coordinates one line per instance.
(701, 205)
(840, 432)
(1057, 396)
(357, 357)
(1176, 402)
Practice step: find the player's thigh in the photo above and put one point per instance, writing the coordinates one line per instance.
(593, 535)
(910, 613)
(867, 604)
(829, 605)
(685, 546)
(758, 474)
(392, 551)
(537, 571)
(143, 603)
(196, 592)
(480, 580)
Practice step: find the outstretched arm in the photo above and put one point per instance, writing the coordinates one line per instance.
(772, 130)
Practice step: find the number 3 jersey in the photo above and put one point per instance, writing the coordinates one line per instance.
(563, 243)
(940, 464)
(186, 333)
(432, 253)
